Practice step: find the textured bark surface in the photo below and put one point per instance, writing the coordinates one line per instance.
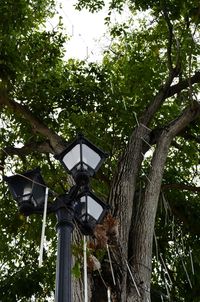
(121, 199)
(137, 237)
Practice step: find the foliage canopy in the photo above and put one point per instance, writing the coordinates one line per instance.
(43, 96)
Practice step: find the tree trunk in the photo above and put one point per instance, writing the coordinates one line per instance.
(121, 200)
(137, 219)
(142, 228)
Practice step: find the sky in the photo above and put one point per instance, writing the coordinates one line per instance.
(86, 31)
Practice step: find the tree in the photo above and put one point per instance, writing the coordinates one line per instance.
(142, 97)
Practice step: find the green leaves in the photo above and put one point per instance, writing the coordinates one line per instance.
(104, 101)
(22, 15)
(92, 5)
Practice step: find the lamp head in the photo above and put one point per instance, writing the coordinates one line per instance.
(28, 189)
(89, 211)
(82, 159)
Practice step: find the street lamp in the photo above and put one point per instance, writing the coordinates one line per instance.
(89, 211)
(82, 159)
(28, 189)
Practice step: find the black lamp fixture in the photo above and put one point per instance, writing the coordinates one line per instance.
(28, 189)
(89, 211)
(82, 159)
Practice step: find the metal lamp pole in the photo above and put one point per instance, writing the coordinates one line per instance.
(64, 228)
(65, 214)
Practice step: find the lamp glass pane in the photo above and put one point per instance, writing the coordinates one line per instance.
(94, 209)
(83, 205)
(39, 196)
(27, 191)
(90, 157)
(72, 158)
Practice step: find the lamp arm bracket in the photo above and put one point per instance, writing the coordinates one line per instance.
(73, 192)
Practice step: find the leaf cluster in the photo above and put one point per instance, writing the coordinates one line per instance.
(104, 101)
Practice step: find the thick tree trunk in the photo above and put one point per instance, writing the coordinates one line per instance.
(142, 228)
(121, 200)
(137, 219)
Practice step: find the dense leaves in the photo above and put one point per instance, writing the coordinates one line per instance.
(105, 102)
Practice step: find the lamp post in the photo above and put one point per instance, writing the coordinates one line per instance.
(82, 160)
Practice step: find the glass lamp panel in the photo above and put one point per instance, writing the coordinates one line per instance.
(83, 205)
(17, 185)
(82, 166)
(38, 193)
(27, 190)
(90, 157)
(94, 209)
(72, 158)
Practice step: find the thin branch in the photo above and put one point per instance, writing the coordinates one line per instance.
(170, 38)
(179, 186)
(57, 143)
(41, 147)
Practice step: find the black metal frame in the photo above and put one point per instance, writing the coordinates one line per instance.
(88, 229)
(80, 140)
(33, 176)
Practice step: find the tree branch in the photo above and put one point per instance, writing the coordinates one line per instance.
(146, 209)
(178, 125)
(41, 147)
(183, 85)
(158, 100)
(56, 142)
(165, 92)
(155, 134)
(188, 115)
(170, 39)
(180, 187)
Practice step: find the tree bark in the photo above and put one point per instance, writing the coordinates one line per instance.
(144, 213)
(124, 184)
(137, 219)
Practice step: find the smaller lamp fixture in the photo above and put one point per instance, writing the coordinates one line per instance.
(89, 211)
(82, 159)
(28, 189)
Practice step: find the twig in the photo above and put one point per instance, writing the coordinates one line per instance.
(43, 227)
(133, 278)
(85, 269)
(111, 267)
(191, 260)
